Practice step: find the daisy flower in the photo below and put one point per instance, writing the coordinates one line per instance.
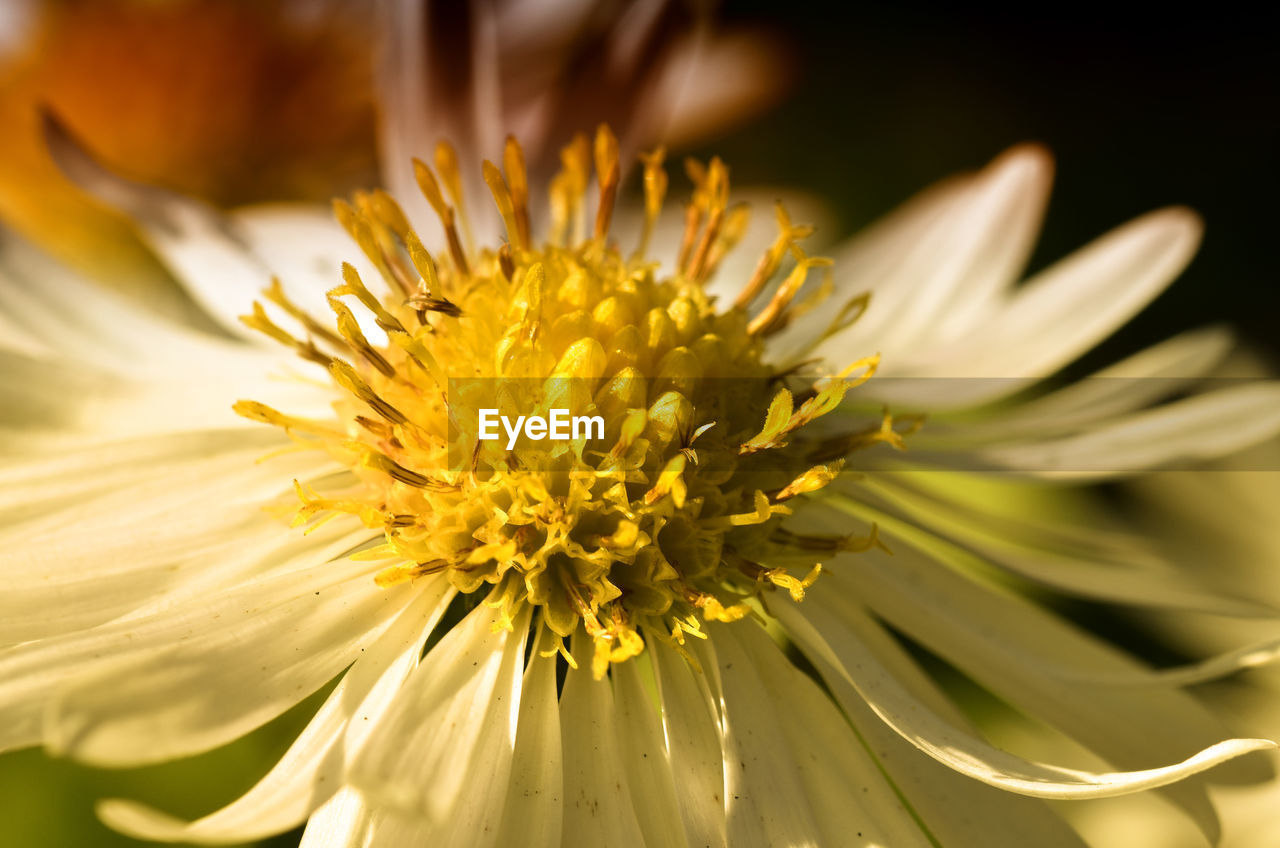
(687, 630)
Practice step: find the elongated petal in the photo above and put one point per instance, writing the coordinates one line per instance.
(534, 808)
(209, 691)
(1138, 381)
(786, 736)
(1198, 428)
(340, 823)
(1054, 317)
(260, 614)
(968, 754)
(968, 535)
(598, 807)
(645, 758)
(695, 742)
(311, 771)
(450, 734)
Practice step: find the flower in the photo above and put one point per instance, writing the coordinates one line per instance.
(158, 605)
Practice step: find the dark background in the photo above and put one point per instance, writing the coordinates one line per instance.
(1141, 109)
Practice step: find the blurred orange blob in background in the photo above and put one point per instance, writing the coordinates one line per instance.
(230, 100)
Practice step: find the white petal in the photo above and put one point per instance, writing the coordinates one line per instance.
(403, 100)
(694, 740)
(73, 319)
(1257, 655)
(955, 809)
(448, 738)
(1200, 427)
(936, 267)
(645, 759)
(534, 808)
(84, 554)
(960, 750)
(1055, 316)
(800, 771)
(311, 771)
(340, 823)
(48, 402)
(966, 530)
(253, 619)
(218, 686)
(597, 789)
(1136, 382)
(1006, 643)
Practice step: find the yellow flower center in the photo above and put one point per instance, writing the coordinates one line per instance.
(643, 527)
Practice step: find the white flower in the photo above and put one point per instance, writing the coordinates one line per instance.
(157, 604)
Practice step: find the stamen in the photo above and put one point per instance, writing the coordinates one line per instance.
(451, 175)
(788, 235)
(769, 318)
(360, 230)
(350, 329)
(513, 166)
(261, 322)
(717, 199)
(275, 294)
(655, 191)
(431, 191)
(608, 175)
(502, 198)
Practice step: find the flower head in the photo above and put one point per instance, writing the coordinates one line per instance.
(657, 523)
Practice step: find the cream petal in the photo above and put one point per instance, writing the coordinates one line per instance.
(645, 759)
(91, 555)
(1201, 427)
(341, 822)
(598, 809)
(53, 404)
(936, 267)
(250, 617)
(448, 738)
(707, 83)
(1054, 317)
(210, 690)
(311, 771)
(955, 809)
(816, 631)
(73, 319)
(1256, 655)
(1136, 382)
(1004, 643)
(814, 783)
(969, 535)
(533, 811)
(694, 736)
(765, 801)
(403, 95)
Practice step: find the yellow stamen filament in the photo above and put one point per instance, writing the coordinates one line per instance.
(608, 175)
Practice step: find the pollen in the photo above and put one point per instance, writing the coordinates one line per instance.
(666, 522)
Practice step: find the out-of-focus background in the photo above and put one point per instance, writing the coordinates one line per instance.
(243, 101)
